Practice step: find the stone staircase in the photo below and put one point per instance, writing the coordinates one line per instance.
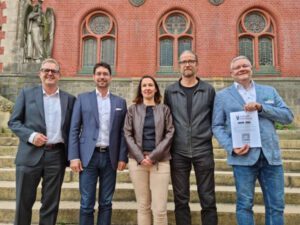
(124, 207)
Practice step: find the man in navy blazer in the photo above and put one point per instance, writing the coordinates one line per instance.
(97, 145)
(41, 119)
(250, 163)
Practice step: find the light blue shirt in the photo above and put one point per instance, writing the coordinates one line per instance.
(104, 109)
(249, 94)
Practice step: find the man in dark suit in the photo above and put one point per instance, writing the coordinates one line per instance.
(41, 119)
(97, 145)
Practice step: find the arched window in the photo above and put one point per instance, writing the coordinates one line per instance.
(98, 41)
(175, 35)
(257, 41)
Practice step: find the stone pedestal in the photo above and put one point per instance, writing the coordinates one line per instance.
(6, 107)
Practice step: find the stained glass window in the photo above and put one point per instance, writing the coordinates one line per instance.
(265, 51)
(98, 41)
(257, 34)
(184, 44)
(166, 52)
(108, 51)
(89, 52)
(255, 22)
(246, 48)
(99, 24)
(176, 34)
(176, 23)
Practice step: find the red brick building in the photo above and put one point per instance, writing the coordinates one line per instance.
(148, 38)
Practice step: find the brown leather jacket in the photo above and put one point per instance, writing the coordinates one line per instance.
(164, 130)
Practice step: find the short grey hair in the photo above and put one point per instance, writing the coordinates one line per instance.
(191, 52)
(238, 58)
(50, 60)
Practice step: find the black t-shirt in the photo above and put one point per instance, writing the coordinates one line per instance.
(189, 92)
(149, 130)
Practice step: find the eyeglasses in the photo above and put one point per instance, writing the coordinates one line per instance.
(241, 66)
(189, 62)
(45, 70)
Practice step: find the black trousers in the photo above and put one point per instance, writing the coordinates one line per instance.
(204, 171)
(51, 169)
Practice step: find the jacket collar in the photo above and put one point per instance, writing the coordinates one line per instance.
(200, 86)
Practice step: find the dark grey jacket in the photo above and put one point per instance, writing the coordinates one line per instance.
(28, 116)
(191, 138)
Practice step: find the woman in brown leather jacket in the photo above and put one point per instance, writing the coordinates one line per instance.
(148, 132)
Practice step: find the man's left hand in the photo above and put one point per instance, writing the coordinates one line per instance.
(121, 165)
(252, 106)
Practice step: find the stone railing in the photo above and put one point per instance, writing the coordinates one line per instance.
(6, 107)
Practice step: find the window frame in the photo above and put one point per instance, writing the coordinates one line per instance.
(190, 27)
(266, 32)
(111, 33)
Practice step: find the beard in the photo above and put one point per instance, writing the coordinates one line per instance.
(188, 73)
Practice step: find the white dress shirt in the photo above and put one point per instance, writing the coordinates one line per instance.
(104, 109)
(52, 112)
(249, 94)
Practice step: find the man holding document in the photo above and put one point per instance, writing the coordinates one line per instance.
(243, 123)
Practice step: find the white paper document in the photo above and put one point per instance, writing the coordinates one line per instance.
(245, 129)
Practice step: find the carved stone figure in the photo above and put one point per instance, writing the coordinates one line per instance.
(38, 32)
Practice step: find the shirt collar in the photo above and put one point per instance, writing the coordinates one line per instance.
(99, 94)
(54, 94)
(241, 87)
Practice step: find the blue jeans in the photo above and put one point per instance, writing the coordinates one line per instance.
(99, 166)
(271, 180)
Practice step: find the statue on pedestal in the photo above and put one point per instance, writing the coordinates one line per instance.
(38, 32)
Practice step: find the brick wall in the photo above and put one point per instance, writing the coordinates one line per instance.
(2, 33)
(215, 32)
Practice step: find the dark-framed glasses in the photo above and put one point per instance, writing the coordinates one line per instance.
(189, 62)
(46, 70)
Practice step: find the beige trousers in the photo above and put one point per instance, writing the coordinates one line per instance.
(151, 191)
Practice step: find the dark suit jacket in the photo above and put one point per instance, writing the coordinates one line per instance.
(85, 129)
(28, 117)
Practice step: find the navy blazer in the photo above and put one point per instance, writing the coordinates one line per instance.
(28, 116)
(85, 129)
(274, 110)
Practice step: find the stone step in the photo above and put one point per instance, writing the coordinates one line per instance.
(220, 164)
(284, 143)
(285, 153)
(124, 213)
(219, 153)
(289, 134)
(9, 141)
(125, 192)
(224, 178)
(8, 150)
